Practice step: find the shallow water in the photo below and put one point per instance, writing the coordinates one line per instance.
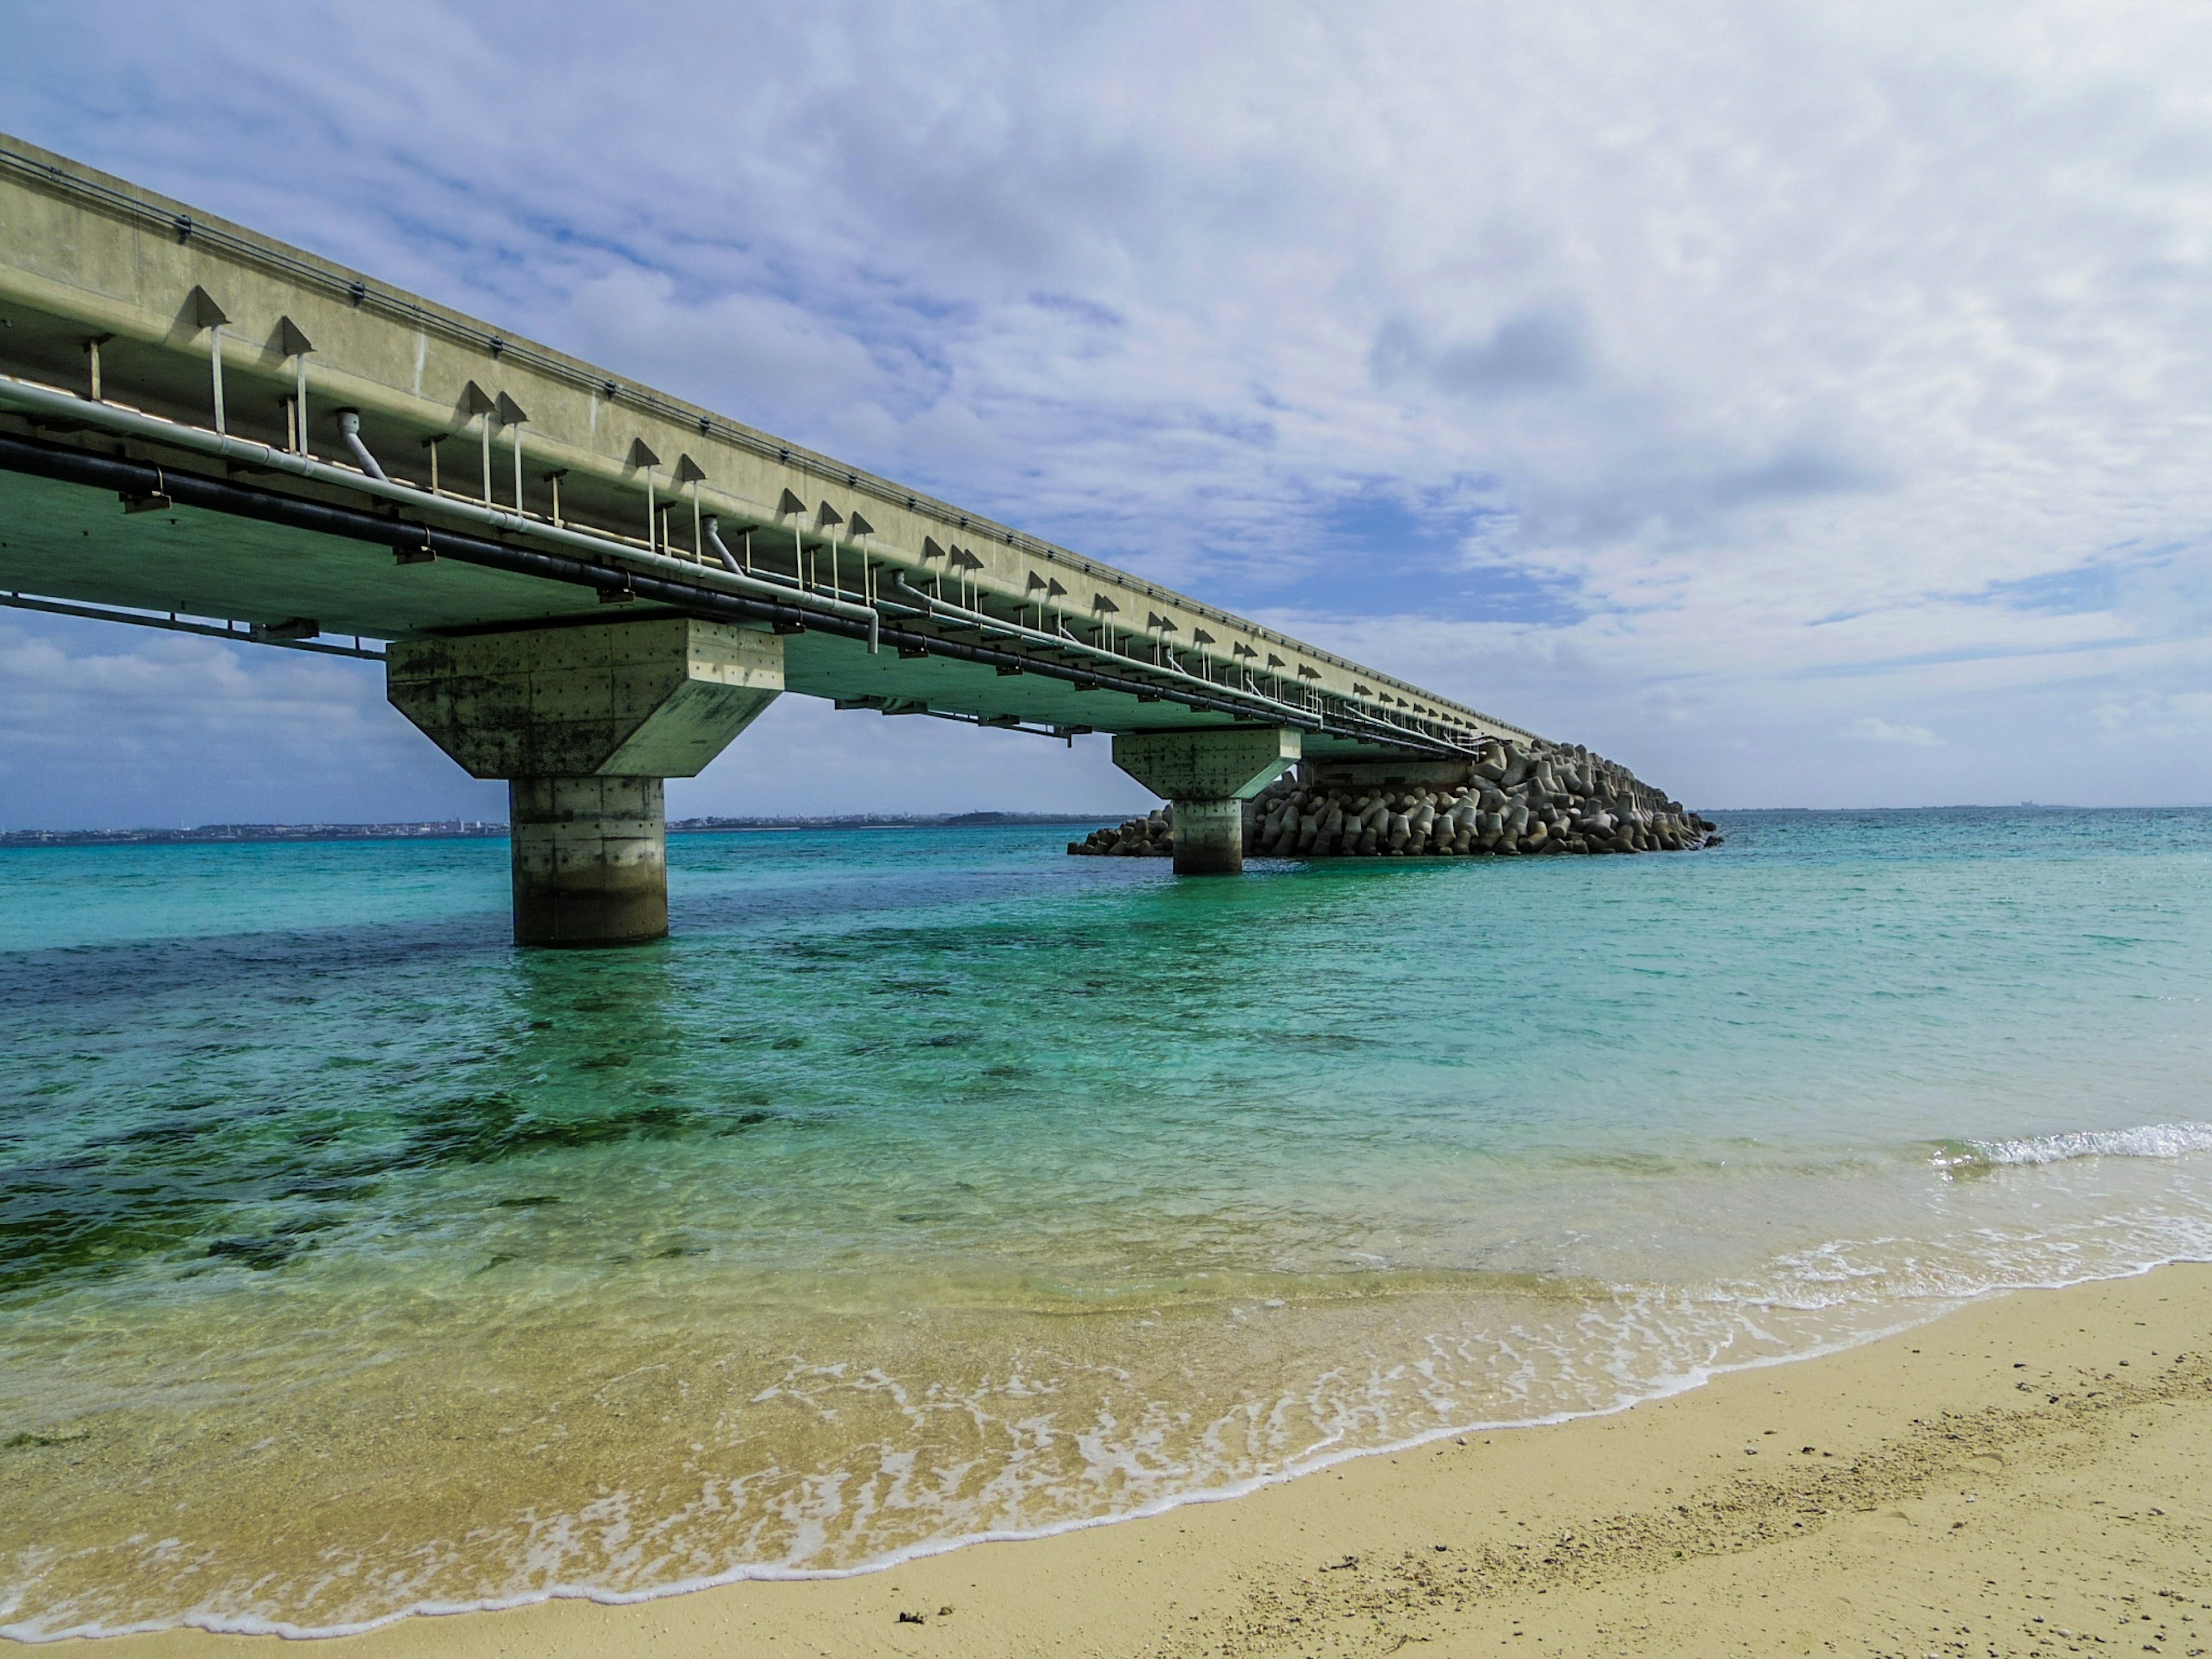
(932, 1184)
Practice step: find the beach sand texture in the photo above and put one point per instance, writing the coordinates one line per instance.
(2031, 1474)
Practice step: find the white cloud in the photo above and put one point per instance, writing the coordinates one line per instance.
(1873, 730)
(1550, 354)
(106, 725)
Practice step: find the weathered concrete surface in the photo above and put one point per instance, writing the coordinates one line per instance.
(1208, 837)
(1208, 776)
(1235, 764)
(585, 722)
(591, 861)
(1513, 799)
(657, 698)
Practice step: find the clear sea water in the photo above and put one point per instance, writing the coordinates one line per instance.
(930, 1185)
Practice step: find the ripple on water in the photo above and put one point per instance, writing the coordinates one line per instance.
(931, 1184)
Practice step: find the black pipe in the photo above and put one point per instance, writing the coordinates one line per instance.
(129, 477)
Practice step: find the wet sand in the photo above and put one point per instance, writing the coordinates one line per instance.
(2031, 1474)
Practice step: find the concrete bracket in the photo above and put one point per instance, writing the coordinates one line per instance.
(1225, 764)
(660, 698)
(1208, 774)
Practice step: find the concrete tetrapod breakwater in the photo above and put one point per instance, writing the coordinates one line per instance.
(1515, 798)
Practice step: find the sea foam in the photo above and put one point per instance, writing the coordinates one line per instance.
(2144, 1140)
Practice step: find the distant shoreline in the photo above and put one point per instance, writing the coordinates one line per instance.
(484, 830)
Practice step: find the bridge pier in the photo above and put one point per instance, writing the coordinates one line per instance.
(590, 859)
(1208, 774)
(583, 723)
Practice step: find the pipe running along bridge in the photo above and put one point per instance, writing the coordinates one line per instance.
(575, 582)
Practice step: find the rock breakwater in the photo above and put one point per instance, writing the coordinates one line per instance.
(1514, 800)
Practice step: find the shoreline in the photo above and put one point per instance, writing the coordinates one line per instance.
(2025, 1401)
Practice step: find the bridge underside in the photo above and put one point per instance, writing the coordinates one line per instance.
(73, 541)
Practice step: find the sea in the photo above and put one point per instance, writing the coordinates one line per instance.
(929, 1185)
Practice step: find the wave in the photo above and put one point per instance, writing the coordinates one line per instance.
(2146, 1140)
(1907, 1314)
(1493, 1352)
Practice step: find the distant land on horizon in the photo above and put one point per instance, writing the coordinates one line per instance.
(474, 828)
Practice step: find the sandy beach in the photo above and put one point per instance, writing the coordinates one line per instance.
(2031, 1475)
(991, 832)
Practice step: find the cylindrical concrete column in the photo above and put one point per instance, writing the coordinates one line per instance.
(1209, 838)
(591, 861)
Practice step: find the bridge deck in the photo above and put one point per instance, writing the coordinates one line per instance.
(545, 486)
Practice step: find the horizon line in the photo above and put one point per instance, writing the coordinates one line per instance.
(470, 829)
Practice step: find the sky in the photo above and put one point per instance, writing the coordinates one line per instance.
(1803, 404)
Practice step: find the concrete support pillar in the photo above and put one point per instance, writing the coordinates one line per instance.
(1209, 838)
(591, 859)
(583, 722)
(1208, 773)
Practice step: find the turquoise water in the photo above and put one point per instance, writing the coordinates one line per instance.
(930, 1184)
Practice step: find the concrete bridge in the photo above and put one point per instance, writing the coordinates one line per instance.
(575, 583)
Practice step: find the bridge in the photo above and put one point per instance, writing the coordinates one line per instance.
(576, 583)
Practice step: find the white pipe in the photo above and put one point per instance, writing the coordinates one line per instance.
(1020, 630)
(25, 394)
(788, 585)
(745, 584)
(711, 528)
(350, 429)
(1067, 642)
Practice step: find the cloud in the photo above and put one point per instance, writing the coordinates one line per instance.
(1797, 469)
(106, 725)
(1529, 351)
(1542, 351)
(1870, 729)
